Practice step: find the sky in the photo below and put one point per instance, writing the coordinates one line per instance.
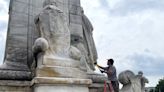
(129, 31)
(3, 26)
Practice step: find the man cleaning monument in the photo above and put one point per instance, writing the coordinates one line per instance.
(110, 70)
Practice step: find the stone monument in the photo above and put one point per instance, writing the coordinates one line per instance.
(49, 47)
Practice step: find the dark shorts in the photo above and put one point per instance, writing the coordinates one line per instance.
(115, 85)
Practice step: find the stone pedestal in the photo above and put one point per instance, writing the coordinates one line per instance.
(58, 68)
(59, 75)
(45, 84)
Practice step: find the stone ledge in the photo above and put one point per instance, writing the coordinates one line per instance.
(47, 80)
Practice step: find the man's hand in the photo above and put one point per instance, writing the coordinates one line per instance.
(96, 64)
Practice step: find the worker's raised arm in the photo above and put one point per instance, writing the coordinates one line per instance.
(104, 68)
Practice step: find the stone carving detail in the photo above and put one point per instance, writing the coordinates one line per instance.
(89, 42)
(130, 81)
(86, 45)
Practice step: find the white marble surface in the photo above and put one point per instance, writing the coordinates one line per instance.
(61, 88)
(46, 84)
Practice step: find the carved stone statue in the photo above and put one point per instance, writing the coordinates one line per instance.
(53, 47)
(54, 33)
(89, 42)
(51, 27)
(131, 82)
(85, 43)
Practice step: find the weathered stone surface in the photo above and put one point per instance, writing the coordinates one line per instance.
(74, 27)
(16, 56)
(76, 10)
(45, 84)
(15, 75)
(15, 86)
(76, 19)
(55, 80)
(75, 2)
(61, 72)
(61, 88)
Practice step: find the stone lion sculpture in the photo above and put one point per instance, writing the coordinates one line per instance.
(130, 81)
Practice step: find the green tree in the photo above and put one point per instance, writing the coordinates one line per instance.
(160, 86)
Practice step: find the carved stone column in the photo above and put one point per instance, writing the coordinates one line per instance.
(17, 52)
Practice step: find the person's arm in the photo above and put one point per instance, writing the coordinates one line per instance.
(101, 67)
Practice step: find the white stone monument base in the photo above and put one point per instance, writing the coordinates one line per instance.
(46, 84)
